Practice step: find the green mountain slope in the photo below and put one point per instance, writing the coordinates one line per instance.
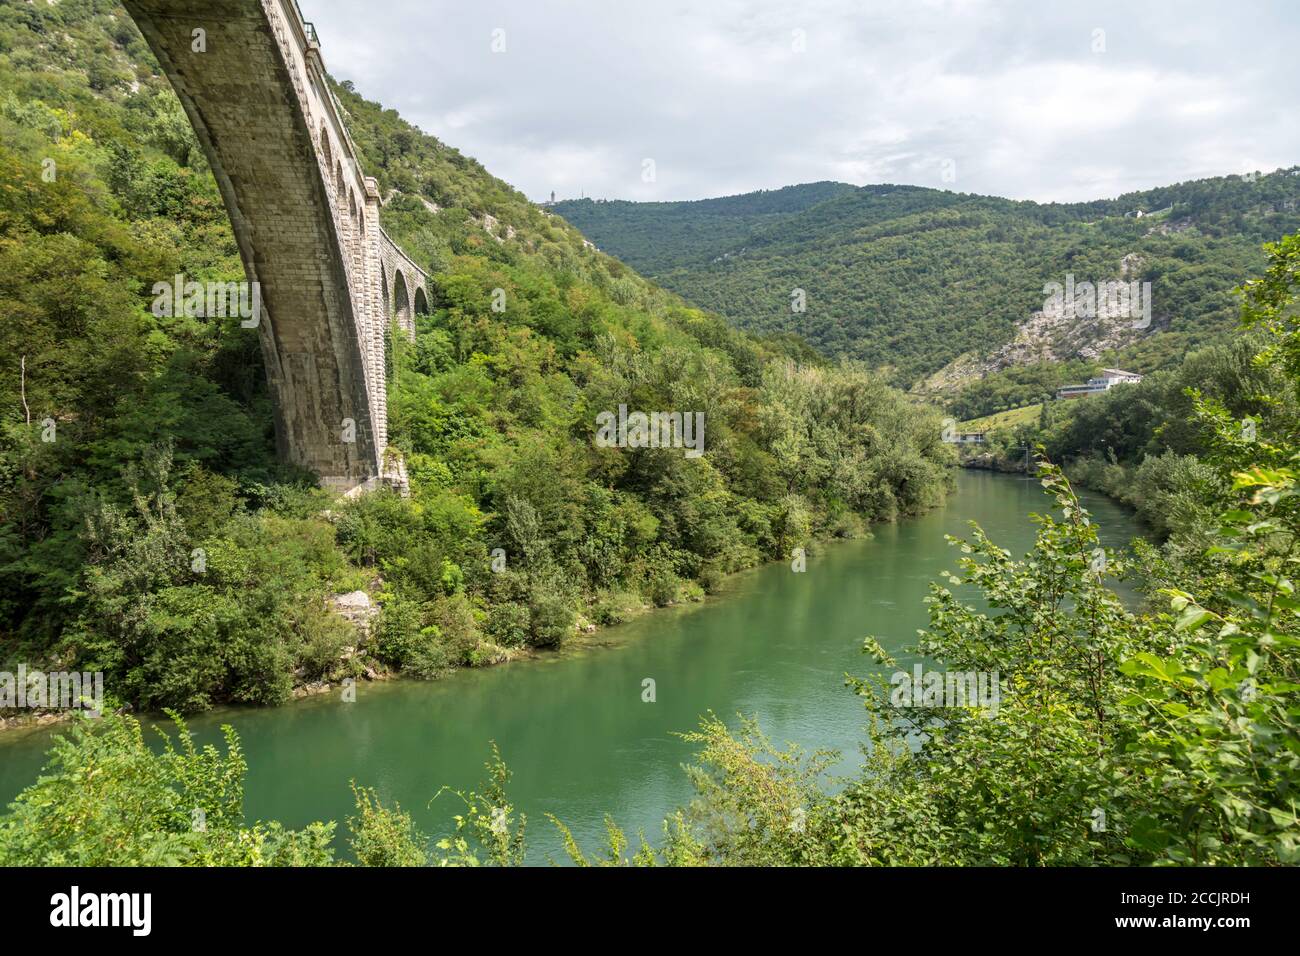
(149, 532)
(659, 236)
(912, 278)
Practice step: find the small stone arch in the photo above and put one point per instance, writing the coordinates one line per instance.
(402, 302)
(421, 302)
(325, 151)
(338, 178)
(352, 205)
(386, 342)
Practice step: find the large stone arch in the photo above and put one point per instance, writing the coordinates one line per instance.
(305, 218)
(265, 117)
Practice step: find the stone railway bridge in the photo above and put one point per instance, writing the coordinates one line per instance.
(250, 76)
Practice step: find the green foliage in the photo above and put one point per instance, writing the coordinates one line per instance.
(616, 847)
(383, 836)
(657, 237)
(1162, 738)
(1169, 492)
(1111, 737)
(1221, 723)
(184, 622)
(163, 448)
(106, 799)
(1178, 725)
(1016, 387)
(1166, 738)
(487, 826)
(427, 640)
(1158, 414)
(495, 411)
(752, 799)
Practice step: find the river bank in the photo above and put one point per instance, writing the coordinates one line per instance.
(580, 728)
(1115, 482)
(989, 461)
(361, 610)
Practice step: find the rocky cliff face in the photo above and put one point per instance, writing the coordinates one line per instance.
(1057, 333)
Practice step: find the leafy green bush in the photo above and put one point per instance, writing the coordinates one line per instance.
(551, 619)
(106, 799)
(509, 624)
(616, 607)
(384, 836)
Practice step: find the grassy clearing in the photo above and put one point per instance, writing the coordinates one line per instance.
(1003, 420)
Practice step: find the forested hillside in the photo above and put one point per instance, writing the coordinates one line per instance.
(661, 236)
(149, 532)
(910, 278)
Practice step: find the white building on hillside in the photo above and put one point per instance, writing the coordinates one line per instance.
(1104, 382)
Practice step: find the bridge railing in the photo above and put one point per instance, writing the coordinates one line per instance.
(343, 150)
(308, 27)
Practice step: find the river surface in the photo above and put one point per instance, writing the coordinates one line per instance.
(573, 727)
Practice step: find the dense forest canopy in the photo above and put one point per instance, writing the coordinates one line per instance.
(660, 236)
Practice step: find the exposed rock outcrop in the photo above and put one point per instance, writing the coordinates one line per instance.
(357, 608)
(1056, 334)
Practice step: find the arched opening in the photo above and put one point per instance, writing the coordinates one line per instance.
(385, 328)
(352, 205)
(402, 303)
(326, 152)
(421, 303)
(338, 179)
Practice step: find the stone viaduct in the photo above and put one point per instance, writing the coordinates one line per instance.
(250, 77)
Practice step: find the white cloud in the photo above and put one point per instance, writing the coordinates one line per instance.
(1012, 95)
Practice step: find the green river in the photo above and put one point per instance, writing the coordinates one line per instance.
(572, 725)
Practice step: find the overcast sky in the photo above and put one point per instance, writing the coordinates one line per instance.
(1029, 100)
